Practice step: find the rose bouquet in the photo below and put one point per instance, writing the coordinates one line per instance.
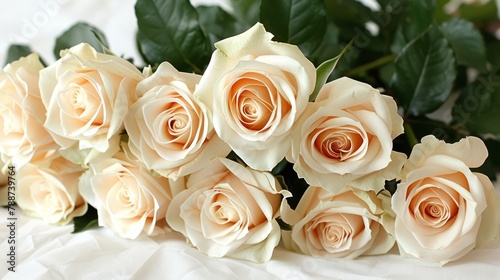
(263, 138)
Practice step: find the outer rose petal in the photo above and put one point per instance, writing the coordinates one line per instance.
(129, 200)
(470, 150)
(243, 65)
(166, 97)
(318, 207)
(87, 95)
(248, 199)
(345, 135)
(489, 230)
(49, 190)
(22, 135)
(442, 208)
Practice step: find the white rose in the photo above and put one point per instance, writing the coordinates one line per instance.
(443, 209)
(229, 210)
(22, 135)
(169, 130)
(87, 95)
(129, 200)
(256, 89)
(347, 134)
(49, 190)
(344, 225)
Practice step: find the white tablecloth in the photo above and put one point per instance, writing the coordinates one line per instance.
(51, 252)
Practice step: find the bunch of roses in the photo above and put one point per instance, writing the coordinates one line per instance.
(145, 149)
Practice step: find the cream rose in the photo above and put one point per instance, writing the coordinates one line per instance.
(22, 134)
(49, 190)
(87, 95)
(443, 209)
(129, 200)
(347, 134)
(256, 89)
(344, 225)
(169, 130)
(229, 210)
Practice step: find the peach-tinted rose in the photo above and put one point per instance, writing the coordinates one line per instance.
(347, 134)
(22, 134)
(229, 210)
(344, 225)
(129, 200)
(169, 130)
(87, 95)
(49, 190)
(443, 208)
(256, 89)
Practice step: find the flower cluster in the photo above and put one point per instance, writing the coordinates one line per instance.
(203, 155)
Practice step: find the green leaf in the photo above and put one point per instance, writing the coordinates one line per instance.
(425, 72)
(324, 70)
(466, 41)
(421, 14)
(386, 72)
(329, 47)
(493, 55)
(298, 22)
(279, 167)
(15, 52)
(87, 221)
(416, 19)
(81, 33)
(218, 24)
(491, 166)
(170, 31)
(349, 16)
(477, 109)
(246, 11)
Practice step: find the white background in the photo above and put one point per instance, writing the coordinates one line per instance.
(38, 22)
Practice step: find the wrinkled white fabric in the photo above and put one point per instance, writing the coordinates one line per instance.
(46, 252)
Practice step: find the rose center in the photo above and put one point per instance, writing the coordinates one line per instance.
(221, 213)
(255, 102)
(435, 204)
(339, 144)
(10, 121)
(434, 210)
(223, 209)
(78, 99)
(177, 124)
(335, 235)
(173, 124)
(47, 197)
(334, 231)
(124, 197)
(254, 108)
